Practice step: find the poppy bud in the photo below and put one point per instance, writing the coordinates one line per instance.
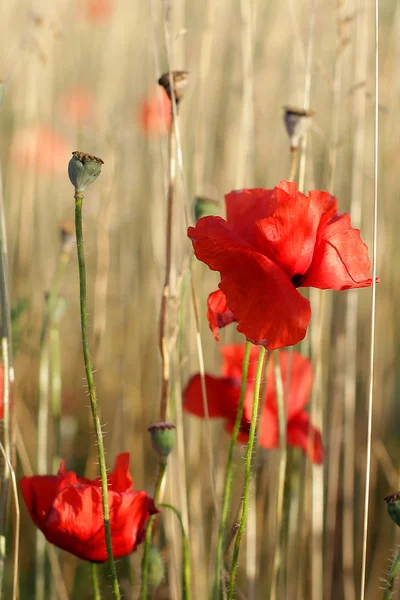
(297, 122)
(204, 207)
(180, 81)
(83, 169)
(156, 568)
(393, 507)
(163, 436)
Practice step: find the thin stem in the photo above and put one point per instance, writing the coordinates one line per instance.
(391, 577)
(294, 161)
(247, 472)
(149, 532)
(15, 592)
(186, 575)
(92, 392)
(373, 311)
(95, 581)
(162, 341)
(228, 477)
(54, 339)
(280, 402)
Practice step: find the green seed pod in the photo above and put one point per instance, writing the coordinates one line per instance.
(156, 570)
(205, 207)
(163, 437)
(393, 507)
(83, 169)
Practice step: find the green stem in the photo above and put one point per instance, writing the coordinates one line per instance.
(280, 402)
(391, 577)
(186, 584)
(92, 392)
(95, 581)
(247, 472)
(54, 339)
(228, 478)
(149, 531)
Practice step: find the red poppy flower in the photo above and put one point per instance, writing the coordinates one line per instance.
(41, 148)
(155, 113)
(68, 510)
(77, 105)
(223, 398)
(98, 10)
(271, 243)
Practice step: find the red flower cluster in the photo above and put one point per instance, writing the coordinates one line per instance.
(271, 243)
(68, 510)
(223, 398)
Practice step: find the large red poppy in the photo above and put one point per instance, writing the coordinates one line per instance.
(223, 398)
(68, 510)
(271, 243)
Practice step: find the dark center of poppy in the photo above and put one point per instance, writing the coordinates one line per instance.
(296, 279)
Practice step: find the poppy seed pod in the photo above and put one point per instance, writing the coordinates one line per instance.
(204, 207)
(156, 570)
(393, 507)
(83, 169)
(297, 123)
(180, 80)
(163, 437)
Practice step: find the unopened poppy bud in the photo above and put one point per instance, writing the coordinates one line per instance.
(180, 81)
(156, 568)
(83, 169)
(163, 437)
(393, 507)
(205, 207)
(297, 122)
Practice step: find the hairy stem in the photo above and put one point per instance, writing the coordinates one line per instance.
(247, 472)
(186, 575)
(391, 577)
(92, 392)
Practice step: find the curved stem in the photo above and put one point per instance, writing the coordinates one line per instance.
(149, 531)
(92, 392)
(228, 478)
(247, 473)
(186, 583)
(95, 581)
(391, 577)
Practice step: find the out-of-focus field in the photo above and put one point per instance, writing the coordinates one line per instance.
(246, 60)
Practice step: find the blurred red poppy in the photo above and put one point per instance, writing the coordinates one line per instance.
(76, 105)
(223, 398)
(98, 10)
(271, 243)
(41, 148)
(68, 510)
(155, 113)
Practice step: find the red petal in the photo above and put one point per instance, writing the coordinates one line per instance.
(301, 378)
(222, 397)
(289, 235)
(267, 306)
(120, 479)
(218, 313)
(233, 362)
(244, 207)
(302, 434)
(39, 492)
(340, 257)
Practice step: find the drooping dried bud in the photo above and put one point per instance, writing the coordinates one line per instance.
(67, 236)
(180, 82)
(393, 506)
(205, 207)
(297, 122)
(156, 568)
(163, 437)
(83, 169)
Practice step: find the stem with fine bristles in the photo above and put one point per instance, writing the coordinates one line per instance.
(92, 392)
